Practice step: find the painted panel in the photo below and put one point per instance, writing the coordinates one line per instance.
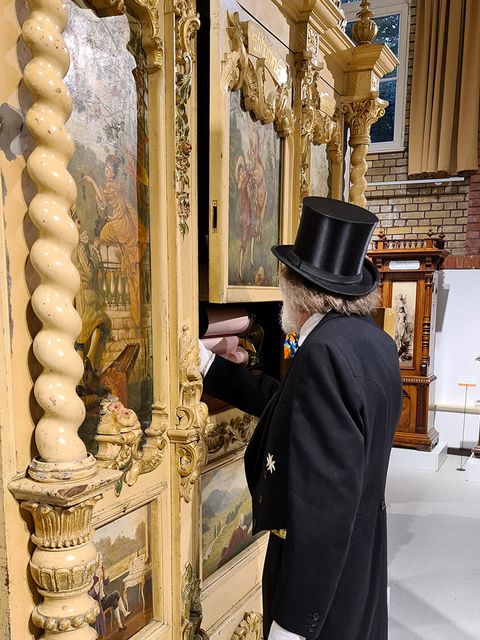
(109, 86)
(123, 582)
(404, 301)
(254, 198)
(226, 515)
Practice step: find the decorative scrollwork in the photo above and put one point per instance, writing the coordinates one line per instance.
(250, 627)
(316, 120)
(192, 614)
(119, 437)
(187, 23)
(236, 432)
(246, 71)
(192, 418)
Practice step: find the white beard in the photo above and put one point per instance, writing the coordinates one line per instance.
(290, 318)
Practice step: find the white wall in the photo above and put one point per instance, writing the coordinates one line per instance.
(456, 347)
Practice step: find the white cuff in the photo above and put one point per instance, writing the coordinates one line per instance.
(279, 633)
(206, 358)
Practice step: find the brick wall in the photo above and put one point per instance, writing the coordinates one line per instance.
(409, 211)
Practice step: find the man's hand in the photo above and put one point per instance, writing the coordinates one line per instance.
(206, 358)
(279, 633)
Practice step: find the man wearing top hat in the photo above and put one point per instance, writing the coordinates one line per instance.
(316, 465)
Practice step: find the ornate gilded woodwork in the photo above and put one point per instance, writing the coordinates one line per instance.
(187, 23)
(317, 125)
(119, 437)
(250, 627)
(245, 69)
(234, 433)
(191, 606)
(193, 424)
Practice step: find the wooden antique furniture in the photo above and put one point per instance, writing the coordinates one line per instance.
(409, 274)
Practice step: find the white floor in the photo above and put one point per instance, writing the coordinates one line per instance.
(434, 554)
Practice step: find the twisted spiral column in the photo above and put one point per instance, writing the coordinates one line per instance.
(63, 455)
(360, 115)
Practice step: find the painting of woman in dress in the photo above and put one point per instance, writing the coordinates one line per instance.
(119, 226)
(254, 198)
(109, 123)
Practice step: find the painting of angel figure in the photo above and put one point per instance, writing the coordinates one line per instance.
(110, 168)
(226, 515)
(254, 198)
(122, 584)
(404, 302)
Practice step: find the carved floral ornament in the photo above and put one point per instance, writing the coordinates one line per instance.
(250, 627)
(119, 437)
(264, 79)
(187, 23)
(236, 432)
(190, 436)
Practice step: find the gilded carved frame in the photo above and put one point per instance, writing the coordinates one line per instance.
(265, 82)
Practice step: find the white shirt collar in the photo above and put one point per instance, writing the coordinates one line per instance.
(308, 326)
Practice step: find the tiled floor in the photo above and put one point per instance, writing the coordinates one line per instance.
(434, 554)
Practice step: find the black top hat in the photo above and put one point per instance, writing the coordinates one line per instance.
(330, 247)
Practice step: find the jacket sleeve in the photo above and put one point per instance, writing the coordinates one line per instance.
(325, 479)
(239, 387)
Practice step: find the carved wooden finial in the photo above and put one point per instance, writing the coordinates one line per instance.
(365, 29)
(381, 233)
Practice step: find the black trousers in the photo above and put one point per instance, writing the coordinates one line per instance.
(271, 570)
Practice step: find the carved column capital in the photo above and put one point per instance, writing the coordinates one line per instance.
(360, 115)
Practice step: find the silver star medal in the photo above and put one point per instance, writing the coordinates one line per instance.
(270, 463)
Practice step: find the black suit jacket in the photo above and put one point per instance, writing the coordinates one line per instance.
(316, 466)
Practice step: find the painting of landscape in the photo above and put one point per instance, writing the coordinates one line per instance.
(226, 515)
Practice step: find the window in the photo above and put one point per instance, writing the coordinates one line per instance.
(391, 18)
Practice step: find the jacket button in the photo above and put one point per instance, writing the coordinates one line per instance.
(315, 616)
(260, 499)
(383, 505)
(265, 475)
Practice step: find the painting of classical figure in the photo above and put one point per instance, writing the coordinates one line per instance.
(226, 515)
(254, 198)
(112, 212)
(404, 302)
(122, 584)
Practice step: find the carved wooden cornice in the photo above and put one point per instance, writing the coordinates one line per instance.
(187, 22)
(250, 627)
(245, 72)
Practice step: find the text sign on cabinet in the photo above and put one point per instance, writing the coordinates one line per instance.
(404, 265)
